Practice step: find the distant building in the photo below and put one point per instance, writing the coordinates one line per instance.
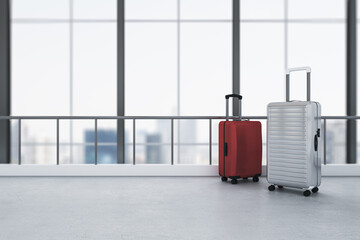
(153, 148)
(107, 153)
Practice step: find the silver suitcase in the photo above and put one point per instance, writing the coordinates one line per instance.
(294, 142)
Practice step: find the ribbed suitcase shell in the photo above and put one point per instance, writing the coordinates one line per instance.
(291, 157)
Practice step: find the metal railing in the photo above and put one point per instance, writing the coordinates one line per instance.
(134, 118)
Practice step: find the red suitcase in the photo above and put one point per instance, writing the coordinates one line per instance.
(240, 147)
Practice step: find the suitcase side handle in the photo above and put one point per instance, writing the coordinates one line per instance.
(234, 95)
(308, 72)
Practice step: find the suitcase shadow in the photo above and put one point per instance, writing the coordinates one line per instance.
(293, 191)
(241, 181)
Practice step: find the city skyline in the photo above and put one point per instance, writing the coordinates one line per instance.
(152, 146)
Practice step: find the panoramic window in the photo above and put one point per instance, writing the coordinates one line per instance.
(178, 62)
(276, 35)
(64, 63)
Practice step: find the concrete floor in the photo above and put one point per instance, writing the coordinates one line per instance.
(174, 208)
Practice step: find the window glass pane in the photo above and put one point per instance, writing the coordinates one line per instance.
(38, 154)
(94, 89)
(151, 81)
(153, 131)
(95, 9)
(264, 139)
(262, 9)
(83, 135)
(262, 66)
(324, 52)
(81, 154)
(107, 153)
(191, 142)
(38, 142)
(64, 144)
(128, 154)
(78, 146)
(193, 154)
(153, 139)
(215, 154)
(64, 154)
(336, 141)
(129, 141)
(150, 69)
(107, 141)
(150, 9)
(95, 69)
(153, 153)
(206, 9)
(206, 67)
(215, 141)
(330, 9)
(192, 131)
(40, 69)
(41, 77)
(40, 9)
(14, 124)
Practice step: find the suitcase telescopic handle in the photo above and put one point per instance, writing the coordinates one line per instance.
(308, 72)
(234, 95)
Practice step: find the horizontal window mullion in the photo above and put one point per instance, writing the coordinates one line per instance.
(63, 21)
(181, 20)
(67, 144)
(169, 144)
(114, 21)
(293, 20)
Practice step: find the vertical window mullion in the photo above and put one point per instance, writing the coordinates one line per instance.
(121, 80)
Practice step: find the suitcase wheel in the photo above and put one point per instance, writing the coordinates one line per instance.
(307, 193)
(233, 181)
(280, 186)
(255, 179)
(271, 188)
(224, 179)
(315, 190)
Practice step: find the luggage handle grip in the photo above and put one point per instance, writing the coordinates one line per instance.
(316, 143)
(307, 69)
(316, 146)
(225, 149)
(308, 72)
(234, 95)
